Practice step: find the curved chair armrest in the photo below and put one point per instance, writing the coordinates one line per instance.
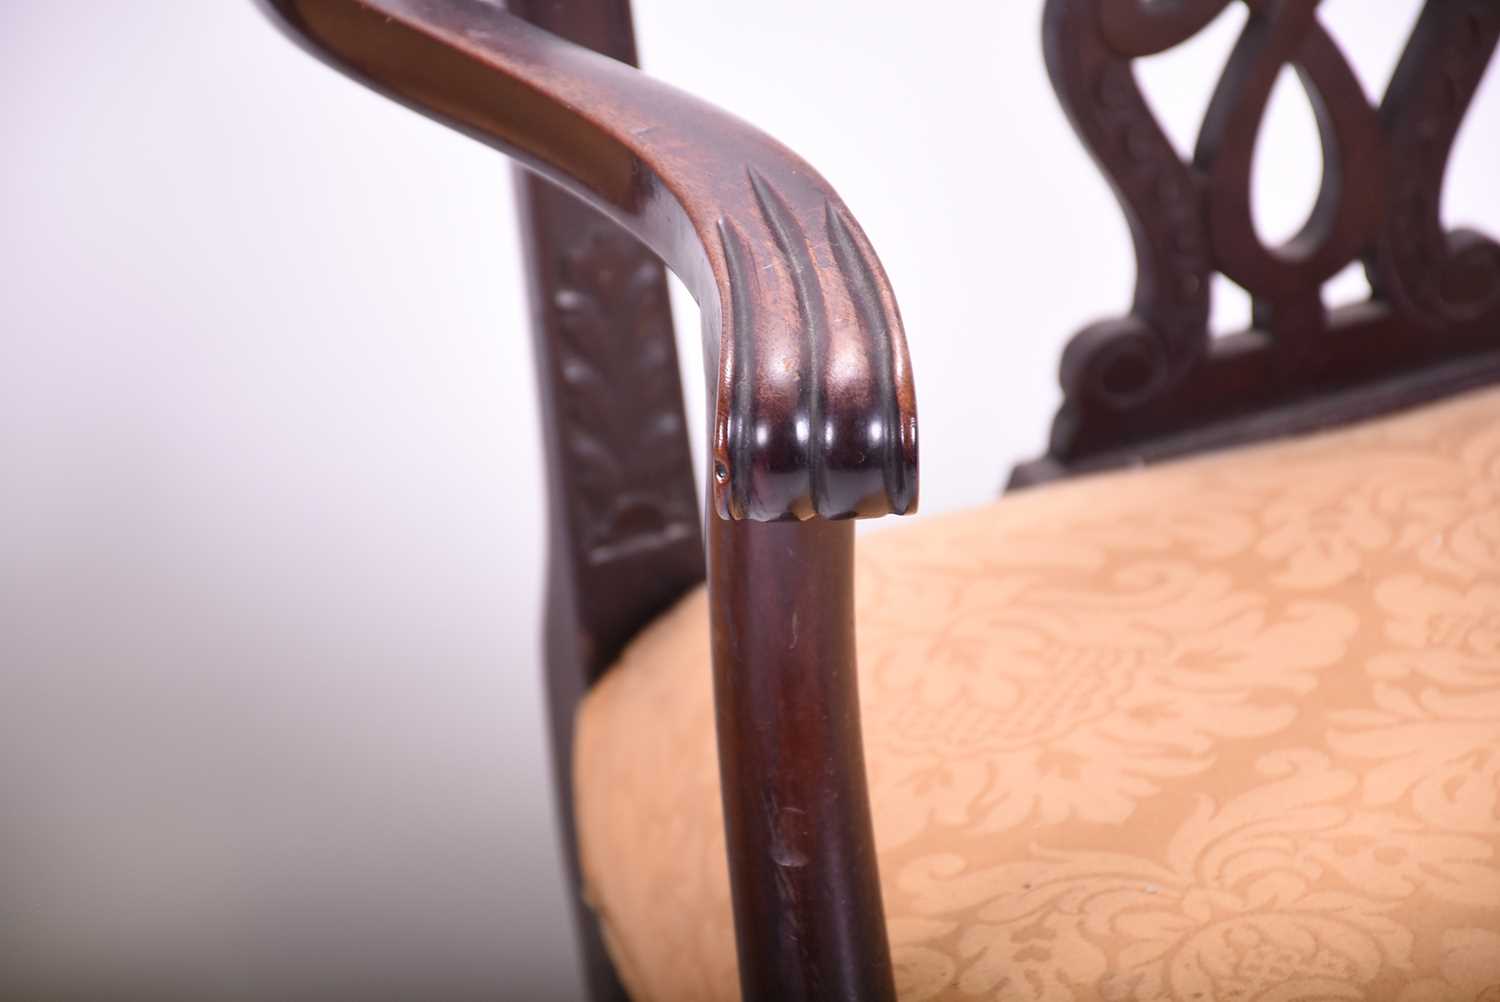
(808, 375)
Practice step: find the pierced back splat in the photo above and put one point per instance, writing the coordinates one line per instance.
(1153, 383)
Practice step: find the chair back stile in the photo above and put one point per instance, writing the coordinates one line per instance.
(625, 539)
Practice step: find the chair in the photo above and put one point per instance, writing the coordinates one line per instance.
(1227, 727)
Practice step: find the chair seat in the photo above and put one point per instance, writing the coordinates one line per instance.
(1223, 729)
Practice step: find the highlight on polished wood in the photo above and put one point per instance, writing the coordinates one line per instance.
(814, 412)
(813, 423)
(809, 386)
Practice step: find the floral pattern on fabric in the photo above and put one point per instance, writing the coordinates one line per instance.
(1224, 730)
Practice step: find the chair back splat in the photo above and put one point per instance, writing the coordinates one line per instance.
(1154, 383)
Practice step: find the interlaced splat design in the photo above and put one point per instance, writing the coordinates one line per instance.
(1154, 382)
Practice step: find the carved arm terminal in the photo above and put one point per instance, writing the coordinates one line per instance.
(809, 388)
(813, 423)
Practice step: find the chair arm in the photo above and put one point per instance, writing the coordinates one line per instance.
(809, 380)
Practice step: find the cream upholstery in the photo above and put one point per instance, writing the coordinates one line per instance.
(1225, 729)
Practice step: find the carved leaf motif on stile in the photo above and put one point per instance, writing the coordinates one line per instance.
(626, 495)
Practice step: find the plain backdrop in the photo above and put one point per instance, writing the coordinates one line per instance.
(270, 493)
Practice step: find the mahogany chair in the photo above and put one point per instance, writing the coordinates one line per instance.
(1223, 728)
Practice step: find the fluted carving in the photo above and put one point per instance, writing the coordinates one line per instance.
(817, 444)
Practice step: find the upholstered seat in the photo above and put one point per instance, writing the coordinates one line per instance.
(1227, 728)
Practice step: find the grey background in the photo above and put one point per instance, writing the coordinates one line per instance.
(270, 714)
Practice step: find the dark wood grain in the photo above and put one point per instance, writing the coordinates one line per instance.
(813, 421)
(808, 915)
(1153, 383)
(800, 332)
(813, 414)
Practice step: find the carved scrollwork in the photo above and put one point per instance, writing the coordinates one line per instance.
(1434, 276)
(1156, 372)
(1118, 364)
(1354, 159)
(1137, 28)
(618, 398)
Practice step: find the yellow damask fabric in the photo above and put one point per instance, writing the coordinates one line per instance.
(1224, 729)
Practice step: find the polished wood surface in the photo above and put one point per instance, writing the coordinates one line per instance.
(808, 915)
(1155, 383)
(813, 422)
(813, 409)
